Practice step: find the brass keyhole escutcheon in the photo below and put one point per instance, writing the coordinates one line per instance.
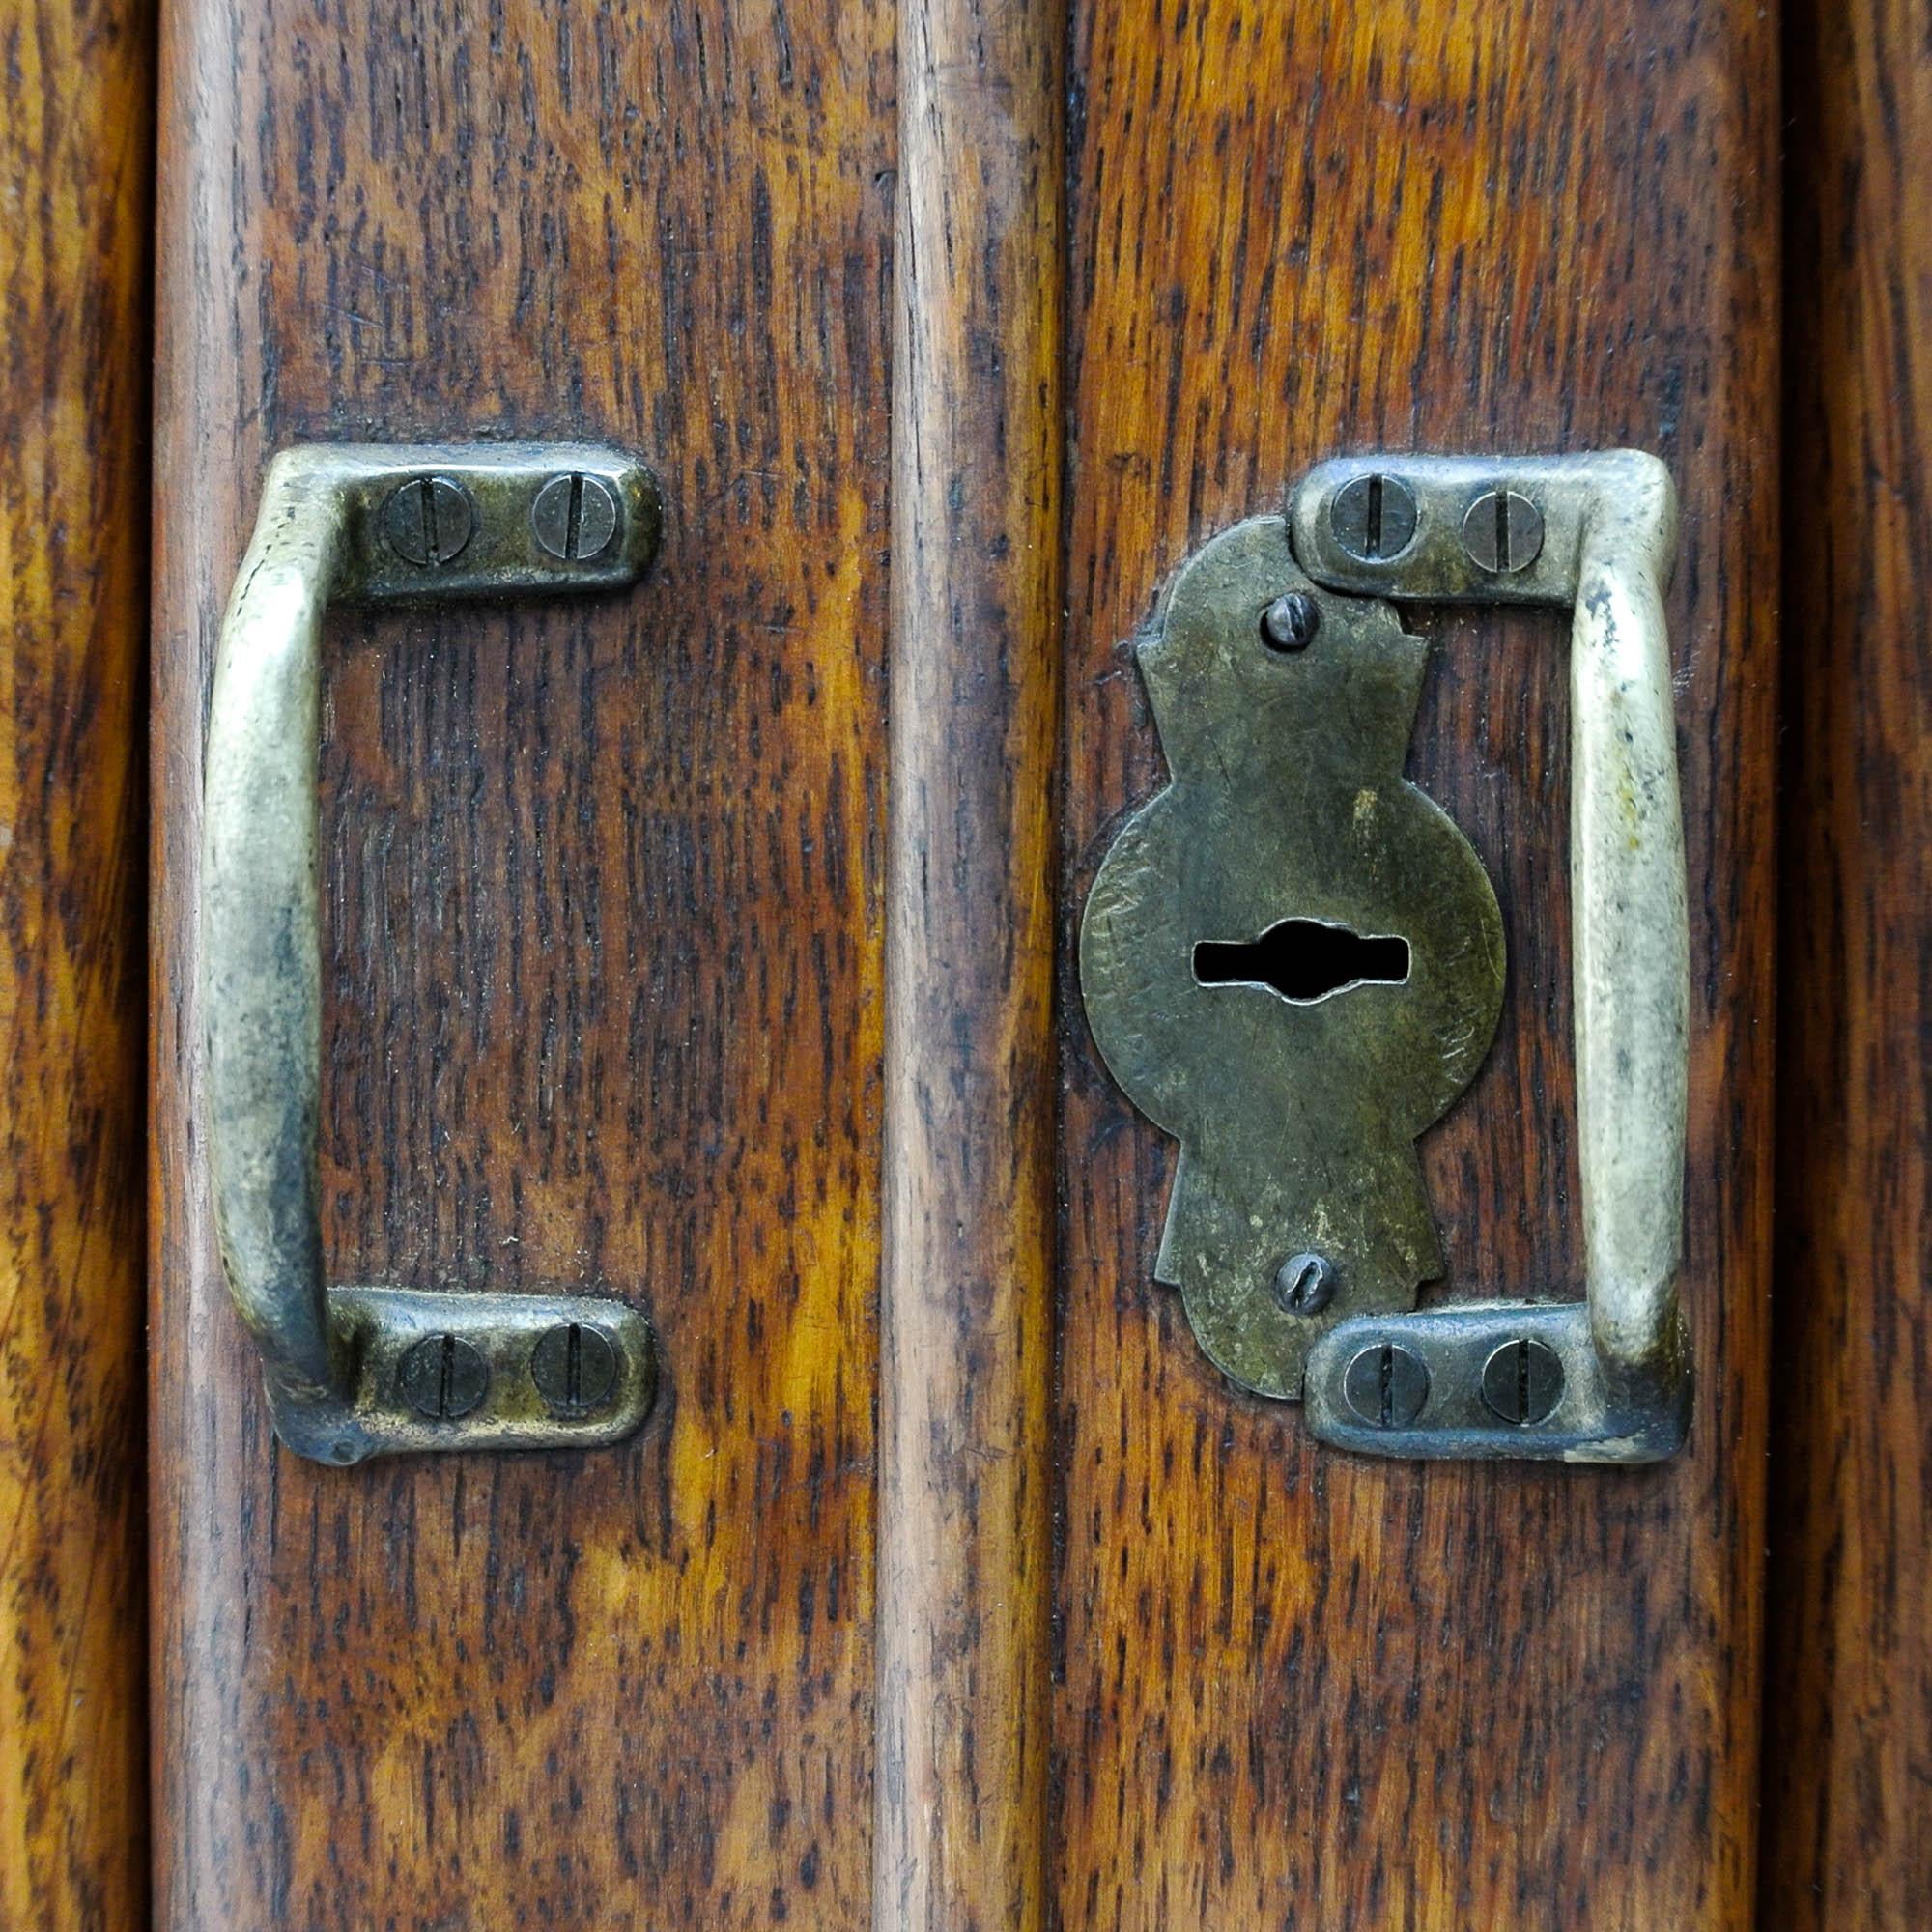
(1292, 959)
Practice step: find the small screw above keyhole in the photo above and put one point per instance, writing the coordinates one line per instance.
(1305, 1284)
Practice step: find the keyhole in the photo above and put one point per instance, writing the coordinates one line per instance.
(1303, 960)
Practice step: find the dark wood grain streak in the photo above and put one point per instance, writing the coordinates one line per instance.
(1848, 1745)
(603, 965)
(77, 186)
(1301, 1691)
(967, 1285)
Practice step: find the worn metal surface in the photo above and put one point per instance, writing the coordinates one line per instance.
(1297, 1118)
(1609, 533)
(367, 523)
(1590, 1419)
(379, 1328)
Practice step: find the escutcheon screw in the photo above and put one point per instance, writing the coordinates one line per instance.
(1305, 1284)
(1290, 623)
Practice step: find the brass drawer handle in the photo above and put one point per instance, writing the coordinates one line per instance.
(355, 1372)
(1607, 1378)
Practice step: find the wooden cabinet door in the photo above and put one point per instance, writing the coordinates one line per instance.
(1283, 1686)
(1298, 1687)
(713, 944)
(602, 966)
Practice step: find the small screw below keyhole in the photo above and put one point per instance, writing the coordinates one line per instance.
(1290, 623)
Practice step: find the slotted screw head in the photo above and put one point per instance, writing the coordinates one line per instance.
(444, 1377)
(1523, 1381)
(1386, 1387)
(574, 1368)
(1373, 518)
(1290, 623)
(1503, 532)
(429, 520)
(1305, 1284)
(574, 518)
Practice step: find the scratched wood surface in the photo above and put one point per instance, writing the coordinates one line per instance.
(1296, 1689)
(966, 1291)
(75, 203)
(1848, 1748)
(602, 961)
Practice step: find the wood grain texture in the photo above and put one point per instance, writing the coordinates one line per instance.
(1848, 1746)
(603, 965)
(1299, 1690)
(967, 1285)
(76, 202)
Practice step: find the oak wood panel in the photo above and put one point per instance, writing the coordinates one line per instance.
(966, 1291)
(602, 964)
(1848, 1746)
(76, 202)
(1296, 1688)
